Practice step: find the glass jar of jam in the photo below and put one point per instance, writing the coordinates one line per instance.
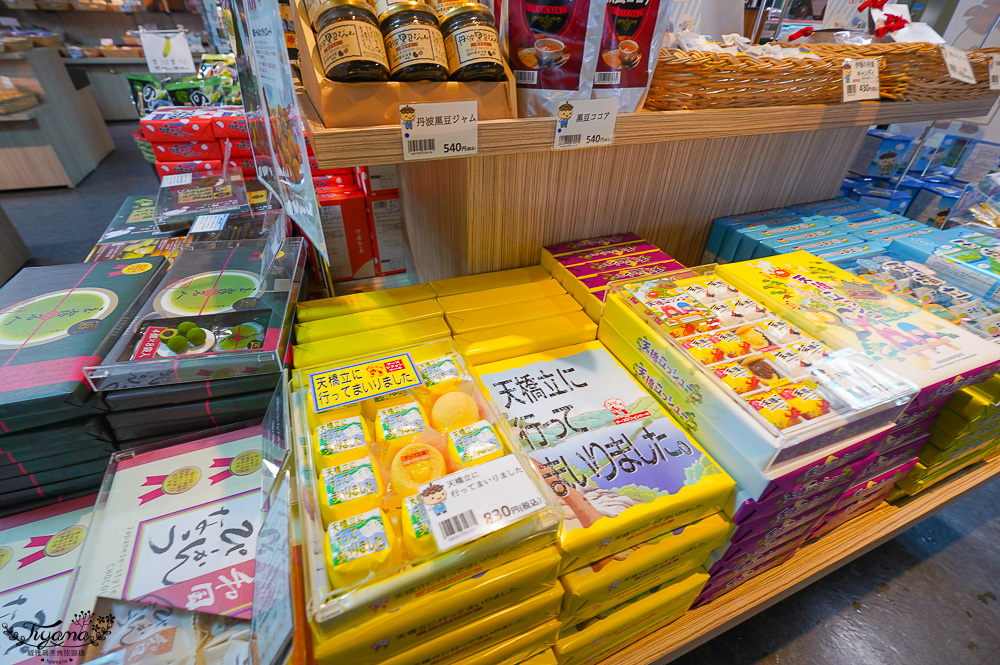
(349, 42)
(472, 44)
(413, 43)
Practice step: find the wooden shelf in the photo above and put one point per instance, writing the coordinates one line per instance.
(338, 148)
(835, 549)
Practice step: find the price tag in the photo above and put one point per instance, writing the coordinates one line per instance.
(446, 129)
(860, 79)
(957, 62)
(6, 83)
(476, 501)
(176, 179)
(206, 223)
(584, 123)
(995, 72)
(107, 41)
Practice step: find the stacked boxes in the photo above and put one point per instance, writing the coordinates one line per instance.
(492, 316)
(835, 227)
(963, 255)
(643, 502)
(192, 139)
(586, 267)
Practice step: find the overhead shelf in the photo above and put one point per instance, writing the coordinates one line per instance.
(815, 560)
(338, 148)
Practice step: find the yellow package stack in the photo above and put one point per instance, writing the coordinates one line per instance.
(427, 540)
(643, 503)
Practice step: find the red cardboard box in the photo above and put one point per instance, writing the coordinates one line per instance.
(388, 233)
(171, 168)
(245, 164)
(240, 147)
(377, 179)
(177, 123)
(344, 216)
(187, 151)
(317, 171)
(230, 122)
(336, 180)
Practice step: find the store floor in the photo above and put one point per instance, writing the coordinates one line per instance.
(929, 597)
(59, 224)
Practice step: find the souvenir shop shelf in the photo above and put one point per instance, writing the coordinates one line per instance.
(742, 379)
(212, 316)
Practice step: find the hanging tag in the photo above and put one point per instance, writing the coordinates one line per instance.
(995, 72)
(175, 179)
(445, 129)
(860, 79)
(585, 123)
(957, 62)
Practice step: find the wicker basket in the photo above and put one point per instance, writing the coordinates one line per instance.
(15, 101)
(916, 72)
(704, 80)
(46, 40)
(17, 44)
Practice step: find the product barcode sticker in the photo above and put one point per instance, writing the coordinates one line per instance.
(957, 62)
(476, 501)
(860, 79)
(207, 223)
(995, 72)
(176, 179)
(438, 130)
(584, 123)
(526, 76)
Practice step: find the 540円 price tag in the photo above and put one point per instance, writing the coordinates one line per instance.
(446, 129)
(584, 123)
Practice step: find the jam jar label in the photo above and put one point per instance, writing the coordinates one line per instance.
(346, 41)
(414, 44)
(441, 7)
(472, 44)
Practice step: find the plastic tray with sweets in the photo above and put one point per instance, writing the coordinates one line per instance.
(847, 312)
(56, 319)
(739, 372)
(211, 316)
(406, 482)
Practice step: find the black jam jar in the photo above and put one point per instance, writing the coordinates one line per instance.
(472, 45)
(413, 43)
(349, 42)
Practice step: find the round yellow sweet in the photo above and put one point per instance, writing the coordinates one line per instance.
(453, 410)
(415, 465)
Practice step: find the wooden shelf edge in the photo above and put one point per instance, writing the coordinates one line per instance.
(339, 148)
(815, 560)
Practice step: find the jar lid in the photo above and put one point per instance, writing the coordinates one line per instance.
(465, 7)
(408, 6)
(314, 9)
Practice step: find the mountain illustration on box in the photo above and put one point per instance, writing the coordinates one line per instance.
(536, 434)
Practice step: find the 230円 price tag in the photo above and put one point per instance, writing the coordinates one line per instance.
(584, 123)
(445, 129)
(860, 79)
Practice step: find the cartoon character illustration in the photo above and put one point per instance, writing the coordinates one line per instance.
(616, 406)
(434, 497)
(887, 162)
(565, 113)
(407, 115)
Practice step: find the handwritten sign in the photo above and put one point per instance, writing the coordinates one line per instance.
(337, 387)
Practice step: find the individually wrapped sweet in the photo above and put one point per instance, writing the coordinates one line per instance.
(719, 290)
(804, 397)
(737, 377)
(811, 350)
(704, 349)
(731, 344)
(725, 314)
(762, 369)
(773, 408)
(754, 337)
(749, 309)
(779, 332)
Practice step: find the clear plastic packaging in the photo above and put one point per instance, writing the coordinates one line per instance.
(227, 319)
(406, 478)
(630, 47)
(741, 377)
(183, 198)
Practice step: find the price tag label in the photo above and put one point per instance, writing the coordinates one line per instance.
(476, 501)
(957, 62)
(207, 223)
(860, 79)
(176, 179)
(446, 129)
(584, 123)
(6, 83)
(995, 72)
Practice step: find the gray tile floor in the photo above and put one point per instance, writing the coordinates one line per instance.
(929, 597)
